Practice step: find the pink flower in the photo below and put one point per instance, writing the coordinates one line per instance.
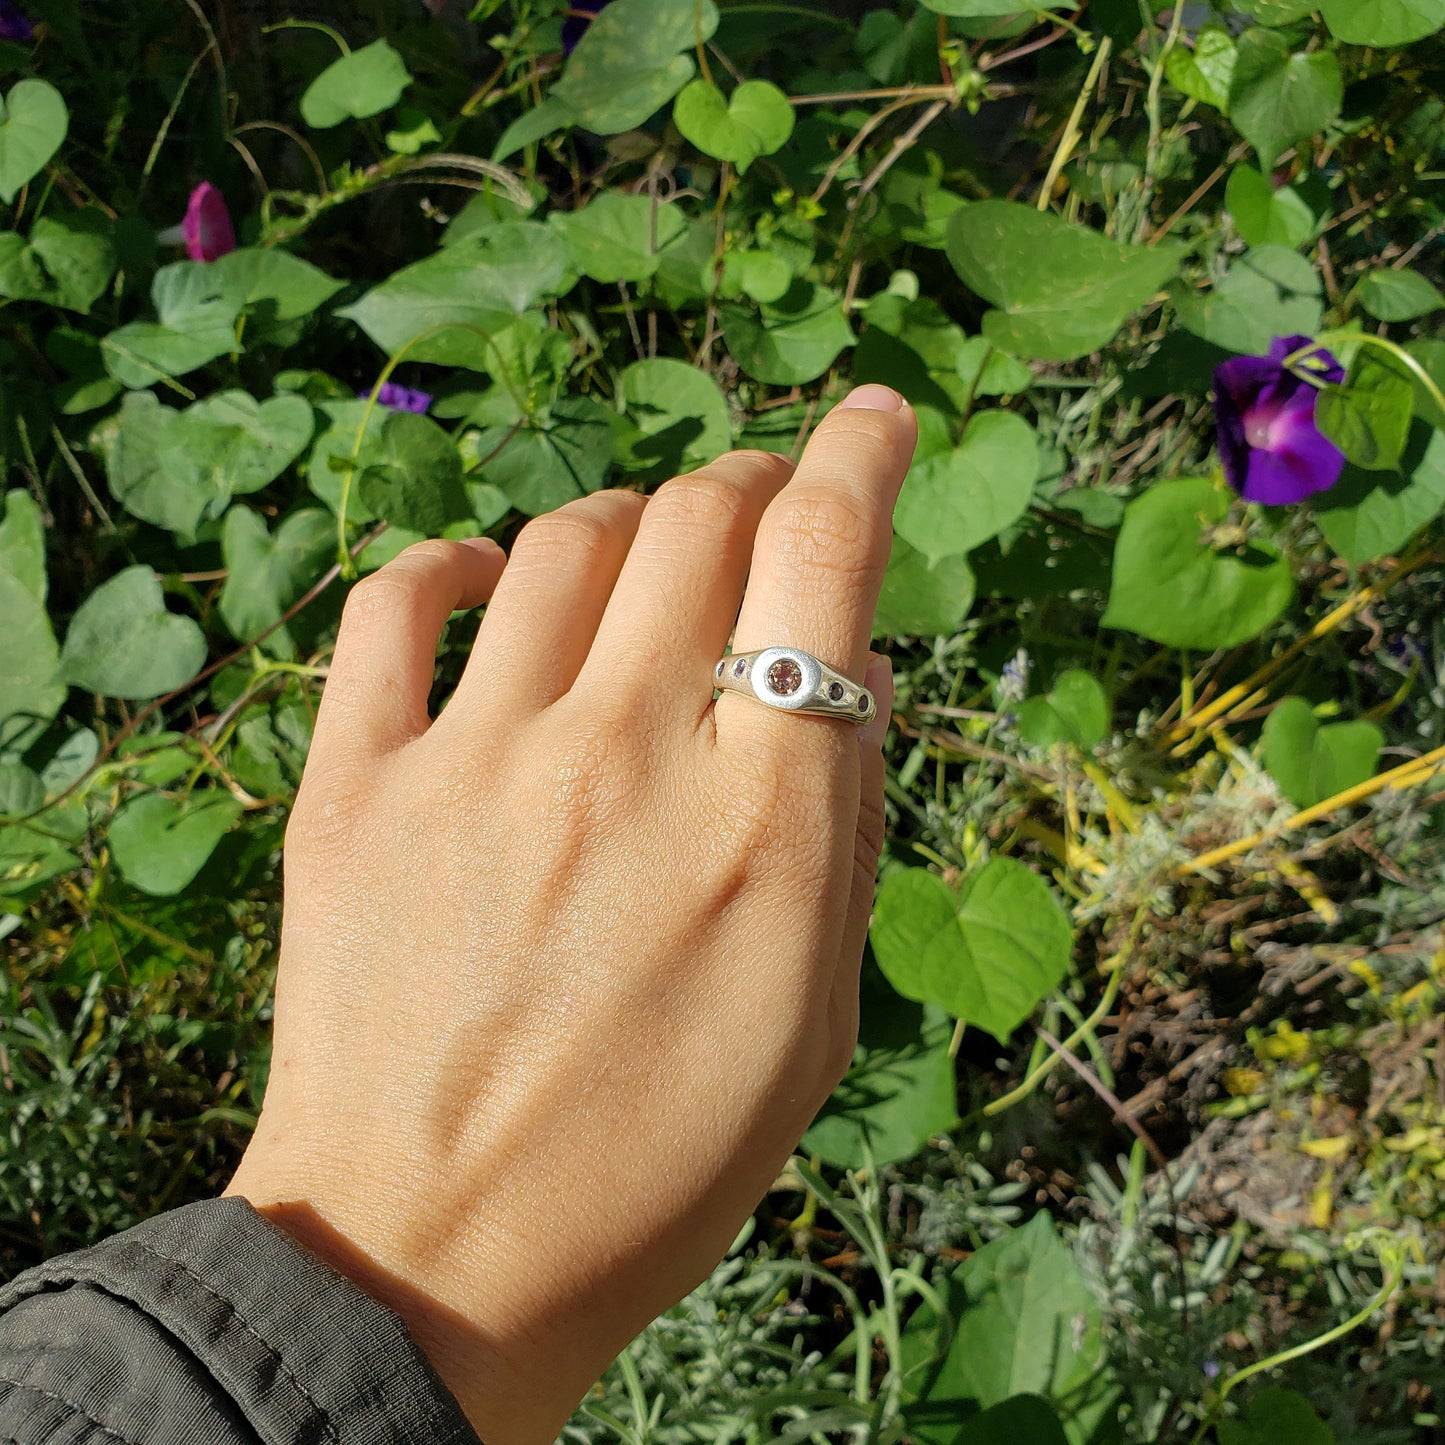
(207, 229)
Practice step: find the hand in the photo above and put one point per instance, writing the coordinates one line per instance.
(566, 972)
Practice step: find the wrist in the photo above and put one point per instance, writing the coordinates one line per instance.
(505, 1404)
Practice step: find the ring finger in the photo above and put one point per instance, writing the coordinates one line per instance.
(820, 553)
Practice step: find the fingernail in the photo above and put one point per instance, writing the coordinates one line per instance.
(873, 398)
(479, 544)
(879, 681)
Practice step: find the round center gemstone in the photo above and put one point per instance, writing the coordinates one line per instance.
(785, 676)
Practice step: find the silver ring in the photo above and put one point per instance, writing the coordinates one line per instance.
(795, 681)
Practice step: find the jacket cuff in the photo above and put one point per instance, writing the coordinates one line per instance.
(304, 1353)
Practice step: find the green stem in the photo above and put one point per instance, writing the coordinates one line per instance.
(1393, 1278)
(335, 35)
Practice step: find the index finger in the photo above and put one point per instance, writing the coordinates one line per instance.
(822, 546)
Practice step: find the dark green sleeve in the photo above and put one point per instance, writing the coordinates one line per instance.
(209, 1326)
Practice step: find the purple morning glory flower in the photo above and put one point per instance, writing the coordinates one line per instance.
(15, 23)
(401, 398)
(1271, 449)
(575, 25)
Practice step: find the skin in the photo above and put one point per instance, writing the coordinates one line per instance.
(566, 972)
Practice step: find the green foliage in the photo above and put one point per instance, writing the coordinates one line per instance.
(754, 121)
(605, 268)
(1062, 291)
(989, 954)
(122, 642)
(361, 84)
(1175, 583)
(33, 124)
(1074, 710)
(1311, 762)
(1026, 1325)
(1368, 417)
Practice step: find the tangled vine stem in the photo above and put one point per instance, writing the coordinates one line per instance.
(1393, 1258)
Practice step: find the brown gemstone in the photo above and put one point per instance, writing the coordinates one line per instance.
(720, 669)
(864, 702)
(835, 691)
(740, 667)
(785, 676)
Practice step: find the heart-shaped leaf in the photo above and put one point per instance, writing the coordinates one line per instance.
(901, 1090)
(1280, 97)
(231, 444)
(415, 480)
(1062, 291)
(955, 501)
(1204, 72)
(755, 121)
(33, 123)
(130, 443)
(1269, 291)
(760, 275)
(364, 83)
(630, 61)
(561, 454)
(1265, 215)
(988, 955)
(1025, 1323)
(1075, 710)
(794, 340)
(66, 262)
(1172, 585)
(161, 843)
(617, 237)
(479, 285)
(681, 416)
(923, 597)
(265, 573)
(123, 643)
(1368, 417)
(1398, 295)
(1311, 762)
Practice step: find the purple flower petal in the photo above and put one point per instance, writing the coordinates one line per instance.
(402, 398)
(15, 23)
(1298, 461)
(1270, 447)
(207, 227)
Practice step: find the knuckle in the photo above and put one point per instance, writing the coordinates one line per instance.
(700, 502)
(324, 816)
(425, 555)
(378, 596)
(749, 464)
(825, 535)
(575, 533)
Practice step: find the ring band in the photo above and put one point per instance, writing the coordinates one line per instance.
(795, 681)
